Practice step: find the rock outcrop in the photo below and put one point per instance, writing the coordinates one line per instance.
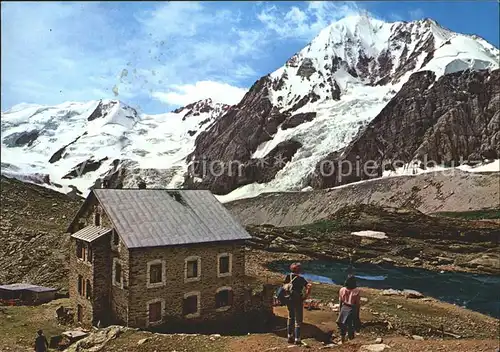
(232, 139)
(455, 119)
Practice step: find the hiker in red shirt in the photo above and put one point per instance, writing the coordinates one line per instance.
(300, 290)
(349, 300)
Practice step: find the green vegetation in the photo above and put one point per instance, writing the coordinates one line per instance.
(486, 214)
(320, 226)
(19, 324)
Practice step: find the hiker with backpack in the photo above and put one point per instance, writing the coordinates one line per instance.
(294, 291)
(349, 299)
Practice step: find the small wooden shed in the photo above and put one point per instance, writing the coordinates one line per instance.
(26, 294)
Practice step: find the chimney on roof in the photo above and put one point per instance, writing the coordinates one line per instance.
(142, 184)
(177, 196)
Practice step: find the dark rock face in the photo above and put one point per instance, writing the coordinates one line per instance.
(59, 153)
(21, 139)
(237, 174)
(295, 120)
(84, 167)
(201, 106)
(456, 118)
(265, 169)
(234, 137)
(102, 110)
(306, 69)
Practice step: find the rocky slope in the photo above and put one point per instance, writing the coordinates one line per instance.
(411, 239)
(33, 247)
(329, 91)
(450, 191)
(445, 122)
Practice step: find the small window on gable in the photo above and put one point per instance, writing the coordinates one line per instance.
(154, 311)
(190, 306)
(80, 225)
(224, 298)
(97, 219)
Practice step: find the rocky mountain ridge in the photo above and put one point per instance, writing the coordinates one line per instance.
(452, 120)
(324, 96)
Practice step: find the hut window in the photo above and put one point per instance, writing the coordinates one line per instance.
(191, 304)
(79, 249)
(88, 290)
(89, 253)
(81, 287)
(224, 298)
(154, 312)
(224, 264)
(79, 313)
(97, 217)
(192, 269)
(155, 273)
(117, 273)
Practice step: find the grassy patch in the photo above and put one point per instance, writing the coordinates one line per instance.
(321, 226)
(472, 215)
(18, 325)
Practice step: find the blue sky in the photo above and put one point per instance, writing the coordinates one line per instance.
(157, 56)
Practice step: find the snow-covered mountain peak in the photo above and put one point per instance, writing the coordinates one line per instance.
(363, 51)
(204, 106)
(76, 143)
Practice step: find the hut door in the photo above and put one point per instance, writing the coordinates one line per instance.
(79, 313)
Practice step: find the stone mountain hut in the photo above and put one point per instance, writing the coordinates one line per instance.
(153, 257)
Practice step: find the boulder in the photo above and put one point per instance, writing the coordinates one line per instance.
(412, 294)
(379, 347)
(391, 292)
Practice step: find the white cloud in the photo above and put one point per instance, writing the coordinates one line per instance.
(188, 93)
(54, 55)
(172, 51)
(304, 24)
(416, 14)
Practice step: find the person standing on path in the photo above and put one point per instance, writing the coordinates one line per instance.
(41, 344)
(300, 290)
(349, 300)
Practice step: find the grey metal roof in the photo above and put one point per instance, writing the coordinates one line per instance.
(29, 287)
(91, 233)
(154, 217)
